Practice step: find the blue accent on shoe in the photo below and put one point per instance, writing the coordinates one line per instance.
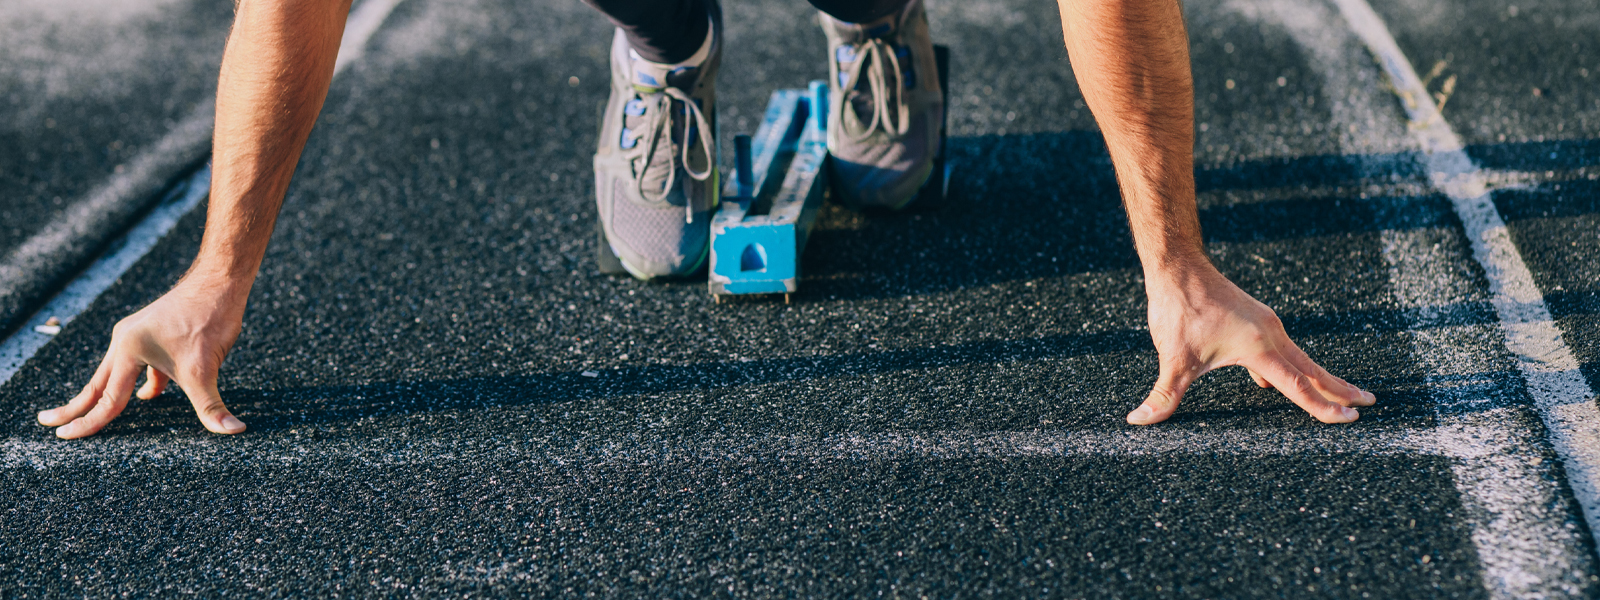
(634, 108)
(845, 54)
(910, 77)
(628, 141)
(646, 79)
(902, 52)
(844, 78)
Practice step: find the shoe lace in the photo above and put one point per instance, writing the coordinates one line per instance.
(663, 124)
(874, 55)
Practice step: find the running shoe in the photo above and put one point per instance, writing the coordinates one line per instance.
(655, 169)
(886, 107)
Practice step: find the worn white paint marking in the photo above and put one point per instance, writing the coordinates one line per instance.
(43, 249)
(364, 20)
(1528, 545)
(38, 251)
(1565, 402)
(205, 453)
(1522, 527)
(83, 290)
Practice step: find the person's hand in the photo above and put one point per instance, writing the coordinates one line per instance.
(1201, 321)
(182, 337)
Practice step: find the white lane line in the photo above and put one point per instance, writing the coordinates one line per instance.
(199, 452)
(46, 249)
(1565, 402)
(363, 21)
(83, 290)
(1524, 529)
(15, 351)
(1522, 525)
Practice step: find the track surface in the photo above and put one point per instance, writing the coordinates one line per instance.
(940, 411)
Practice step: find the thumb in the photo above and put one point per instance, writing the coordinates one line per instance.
(207, 401)
(1165, 395)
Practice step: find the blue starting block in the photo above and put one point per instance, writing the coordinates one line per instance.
(768, 208)
(781, 175)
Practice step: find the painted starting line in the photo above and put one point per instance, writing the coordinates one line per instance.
(206, 453)
(1514, 503)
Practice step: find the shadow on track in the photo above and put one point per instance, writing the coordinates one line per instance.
(1043, 205)
(1406, 396)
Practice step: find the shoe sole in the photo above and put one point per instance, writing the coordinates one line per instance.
(605, 257)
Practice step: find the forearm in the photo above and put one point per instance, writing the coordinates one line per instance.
(1131, 58)
(275, 74)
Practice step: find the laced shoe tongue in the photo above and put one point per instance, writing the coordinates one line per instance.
(872, 43)
(665, 126)
(877, 74)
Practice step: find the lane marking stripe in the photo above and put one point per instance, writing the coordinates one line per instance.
(88, 286)
(58, 245)
(600, 449)
(15, 351)
(363, 21)
(1562, 396)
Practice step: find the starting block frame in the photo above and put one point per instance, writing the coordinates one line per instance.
(766, 212)
(768, 208)
(781, 177)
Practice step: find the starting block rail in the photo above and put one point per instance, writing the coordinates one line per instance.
(768, 208)
(761, 228)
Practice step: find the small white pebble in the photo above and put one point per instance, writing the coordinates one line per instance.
(48, 329)
(52, 321)
(591, 373)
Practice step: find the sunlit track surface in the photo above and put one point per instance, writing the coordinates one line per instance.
(444, 398)
(102, 106)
